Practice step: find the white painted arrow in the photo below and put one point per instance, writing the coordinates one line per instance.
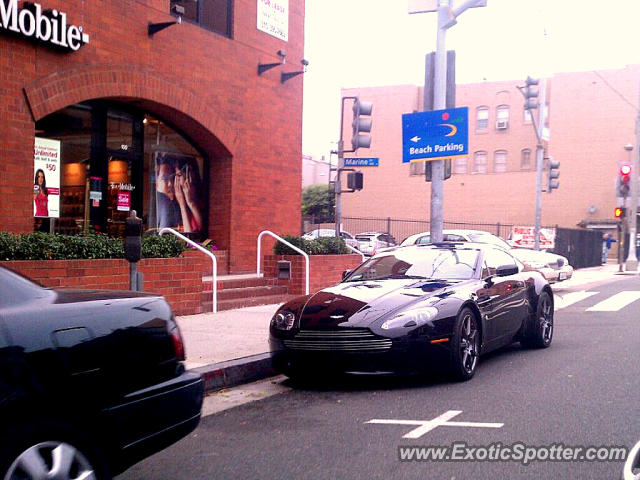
(415, 139)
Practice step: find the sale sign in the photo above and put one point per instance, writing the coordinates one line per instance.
(46, 178)
(124, 201)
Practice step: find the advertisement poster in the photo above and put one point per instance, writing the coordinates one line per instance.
(179, 192)
(273, 18)
(46, 178)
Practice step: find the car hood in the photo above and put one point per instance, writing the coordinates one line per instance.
(359, 304)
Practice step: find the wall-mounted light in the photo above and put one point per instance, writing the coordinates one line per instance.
(284, 76)
(263, 67)
(154, 28)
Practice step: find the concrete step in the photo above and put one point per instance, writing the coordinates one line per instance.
(232, 304)
(244, 292)
(226, 282)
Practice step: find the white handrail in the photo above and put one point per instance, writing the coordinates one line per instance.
(306, 257)
(203, 250)
(357, 251)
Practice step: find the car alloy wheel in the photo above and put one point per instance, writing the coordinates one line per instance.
(466, 345)
(52, 459)
(540, 331)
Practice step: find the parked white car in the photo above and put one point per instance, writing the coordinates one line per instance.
(328, 232)
(554, 267)
(371, 242)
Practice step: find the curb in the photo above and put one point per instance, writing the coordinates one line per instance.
(231, 373)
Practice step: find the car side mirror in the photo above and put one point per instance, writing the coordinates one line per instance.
(345, 274)
(506, 270)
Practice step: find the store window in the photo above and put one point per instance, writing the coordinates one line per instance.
(500, 161)
(216, 15)
(114, 160)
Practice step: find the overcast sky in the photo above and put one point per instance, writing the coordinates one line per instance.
(508, 39)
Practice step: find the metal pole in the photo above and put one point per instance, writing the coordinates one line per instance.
(539, 162)
(439, 103)
(632, 218)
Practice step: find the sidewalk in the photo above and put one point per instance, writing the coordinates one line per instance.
(231, 347)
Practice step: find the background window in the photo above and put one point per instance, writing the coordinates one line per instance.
(460, 165)
(500, 161)
(214, 15)
(417, 168)
(525, 159)
(502, 117)
(482, 118)
(480, 162)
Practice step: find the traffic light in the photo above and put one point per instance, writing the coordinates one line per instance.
(355, 180)
(447, 170)
(530, 94)
(623, 186)
(361, 110)
(620, 212)
(552, 175)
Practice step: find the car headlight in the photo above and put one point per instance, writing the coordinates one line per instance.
(283, 320)
(411, 318)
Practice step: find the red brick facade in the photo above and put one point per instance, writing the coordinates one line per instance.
(204, 84)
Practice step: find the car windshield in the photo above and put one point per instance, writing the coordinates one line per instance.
(446, 264)
(365, 238)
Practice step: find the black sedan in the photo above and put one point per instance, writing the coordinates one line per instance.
(409, 308)
(90, 381)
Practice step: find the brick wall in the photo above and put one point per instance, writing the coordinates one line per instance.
(324, 270)
(178, 279)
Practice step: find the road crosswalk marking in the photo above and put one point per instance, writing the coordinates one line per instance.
(562, 301)
(615, 302)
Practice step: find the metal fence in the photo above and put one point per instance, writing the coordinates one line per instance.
(401, 229)
(583, 248)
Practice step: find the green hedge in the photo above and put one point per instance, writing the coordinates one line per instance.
(319, 246)
(47, 246)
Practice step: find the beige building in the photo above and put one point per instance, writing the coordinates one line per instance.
(591, 119)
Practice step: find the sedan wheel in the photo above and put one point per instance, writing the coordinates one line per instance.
(540, 331)
(53, 459)
(465, 346)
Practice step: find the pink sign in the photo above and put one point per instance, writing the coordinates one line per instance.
(124, 201)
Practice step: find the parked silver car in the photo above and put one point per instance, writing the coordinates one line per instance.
(554, 267)
(371, 242)
(328, 232)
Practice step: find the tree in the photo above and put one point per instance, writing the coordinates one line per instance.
(319, 201)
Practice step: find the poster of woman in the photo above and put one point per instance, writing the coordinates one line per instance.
(178, 193)
(46, 178)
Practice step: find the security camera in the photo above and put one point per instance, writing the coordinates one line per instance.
(282, 53)
(177, 10)
(304, 62)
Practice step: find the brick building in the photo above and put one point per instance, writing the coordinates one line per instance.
(164, 122)
(591, 119)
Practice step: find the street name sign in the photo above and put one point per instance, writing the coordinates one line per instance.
(361, 162)
(435, 134)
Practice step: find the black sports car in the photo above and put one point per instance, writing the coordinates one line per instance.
(90, 381)
(409, 308)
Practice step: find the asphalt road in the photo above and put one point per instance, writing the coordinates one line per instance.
(582, 392)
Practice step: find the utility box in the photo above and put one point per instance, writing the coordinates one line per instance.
(284, 270)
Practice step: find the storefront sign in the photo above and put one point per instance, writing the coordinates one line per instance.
(46, 178)
(48, 26)
(273, 18)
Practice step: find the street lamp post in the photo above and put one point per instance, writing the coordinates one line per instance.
(632, 260)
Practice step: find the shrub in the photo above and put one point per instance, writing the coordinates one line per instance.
(46, 246)
(319, 246)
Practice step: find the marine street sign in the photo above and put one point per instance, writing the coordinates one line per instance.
(435, 134)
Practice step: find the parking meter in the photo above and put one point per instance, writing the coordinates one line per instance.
(133, 239)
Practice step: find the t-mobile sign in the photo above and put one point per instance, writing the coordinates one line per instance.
(47, 26)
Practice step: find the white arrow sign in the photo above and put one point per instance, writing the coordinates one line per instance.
(415, 139)
(425, 426)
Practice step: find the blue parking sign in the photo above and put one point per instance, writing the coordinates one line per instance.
(435, 134)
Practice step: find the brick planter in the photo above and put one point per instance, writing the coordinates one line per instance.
(178, 279)
(324, 270)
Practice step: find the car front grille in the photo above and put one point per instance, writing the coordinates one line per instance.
(344, 340)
